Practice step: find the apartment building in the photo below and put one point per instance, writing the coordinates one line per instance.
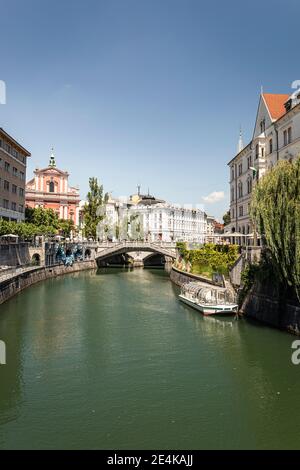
(276, 137)
(13, 162)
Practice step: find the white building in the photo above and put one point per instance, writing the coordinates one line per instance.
(276, 136)
(210, 228)
(147, 218)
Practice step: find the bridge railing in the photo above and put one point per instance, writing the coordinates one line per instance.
(162, 244)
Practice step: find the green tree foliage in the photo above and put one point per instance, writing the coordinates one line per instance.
(92, 209)
(275, 208)
(226, 218)
(25, 230)
(42, 217)
(209, 258)
(66, 227)
(38, 221)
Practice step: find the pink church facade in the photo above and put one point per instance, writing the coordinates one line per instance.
(50, 189)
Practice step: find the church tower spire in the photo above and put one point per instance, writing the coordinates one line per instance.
(52, 162)
(241, 143)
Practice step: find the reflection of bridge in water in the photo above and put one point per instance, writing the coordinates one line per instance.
(139, 251)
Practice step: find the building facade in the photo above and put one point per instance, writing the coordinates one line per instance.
(153, 220)
(276, 137)
(13, 162)
(50, 189)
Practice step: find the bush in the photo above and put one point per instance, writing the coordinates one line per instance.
(210, 258)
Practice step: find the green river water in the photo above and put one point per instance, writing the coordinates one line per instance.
(113, 360)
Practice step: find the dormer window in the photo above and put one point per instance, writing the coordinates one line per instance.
(288, 105)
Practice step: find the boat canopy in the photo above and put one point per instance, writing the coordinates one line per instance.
(208, 295)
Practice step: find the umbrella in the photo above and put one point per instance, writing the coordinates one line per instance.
(9, 235)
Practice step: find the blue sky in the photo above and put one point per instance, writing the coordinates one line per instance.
(143, 91)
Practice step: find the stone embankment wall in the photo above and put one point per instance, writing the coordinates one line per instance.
(264, 304)
(180, 277)
(14, 254)
(10, 287)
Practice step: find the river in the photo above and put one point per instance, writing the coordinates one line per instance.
(112, 360)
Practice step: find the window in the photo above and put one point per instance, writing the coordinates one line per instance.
(14, 189)
(289, 138)
(233, 212)
(6, 166)
(284, 138)
(232, 173)
(13, 206)
(22, 175)
(6, 185)
(240, 168)
(271, 146)
(21, 208)
(249, 162)
(232, 194)
(15, 171)
(241, 211)
(5, 203)
(249, 185)
(262, 152)
(262, 126)
(256, 151)
(21, 192)
(240, 189)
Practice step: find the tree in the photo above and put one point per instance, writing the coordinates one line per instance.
(92, 209)
(41, 216)
(275, 208)
(66, 227)
(227, 218)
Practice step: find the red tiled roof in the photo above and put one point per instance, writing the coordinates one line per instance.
(275, 104)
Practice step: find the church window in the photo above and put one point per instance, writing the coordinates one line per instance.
(51, 187)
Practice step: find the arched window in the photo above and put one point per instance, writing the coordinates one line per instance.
(51, 187)
(240, 189)
(249, 185)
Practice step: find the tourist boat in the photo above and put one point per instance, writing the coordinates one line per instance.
(209, 300)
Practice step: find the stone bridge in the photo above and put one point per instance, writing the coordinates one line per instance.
(105, 251)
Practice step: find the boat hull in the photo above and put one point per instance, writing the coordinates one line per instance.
(212, 309)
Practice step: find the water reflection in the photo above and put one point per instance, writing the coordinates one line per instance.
(113, 360)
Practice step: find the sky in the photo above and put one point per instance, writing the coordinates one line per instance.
(149, 92)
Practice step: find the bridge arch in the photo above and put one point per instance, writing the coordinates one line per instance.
(166, 250)
(36, 259)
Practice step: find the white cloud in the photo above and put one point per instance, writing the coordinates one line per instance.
(213, 197)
